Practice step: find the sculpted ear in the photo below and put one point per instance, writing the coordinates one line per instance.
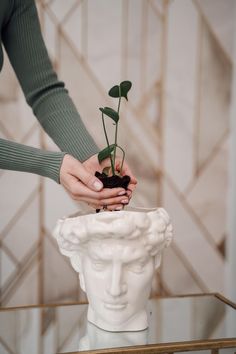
(157, 260)
(76, 264)
(82, 282)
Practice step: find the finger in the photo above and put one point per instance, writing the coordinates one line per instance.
(124, 200)
(87, 178)
(129, 193)
(126, 171)
(83, 191)
(131, 187)
(79, 191)
(116, 207)
(107, 202)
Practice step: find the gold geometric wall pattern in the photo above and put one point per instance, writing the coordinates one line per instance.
(164, 127)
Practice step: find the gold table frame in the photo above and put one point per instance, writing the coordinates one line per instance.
(213, 345)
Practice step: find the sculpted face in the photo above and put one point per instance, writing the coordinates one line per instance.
(116, 275)
(116, 255)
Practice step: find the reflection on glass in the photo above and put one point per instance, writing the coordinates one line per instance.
(96, 338)
(61, 329)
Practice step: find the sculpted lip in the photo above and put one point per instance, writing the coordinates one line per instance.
(111, 306)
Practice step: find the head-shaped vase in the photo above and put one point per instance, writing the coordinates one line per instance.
(116, 255)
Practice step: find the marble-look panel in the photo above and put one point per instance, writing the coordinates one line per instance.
(215, 87)
(143, 139)
(50, 35)
(176, 276)
(170, 331)
(61, 7)
(27, 290)
(76, 28)
(17, 118)
(8, 331)
(153, 52)
(147, 192)
(159, 5)
(70, 327)
(57, 203)
(104, 40)
(24, 233)
(50, 339)
(152, 107)
(8, 83)
(31, 326)
(199, 251)
(9, 111)
(85, 90)
(140, 142)
(60, 280)
(220, 16)
(32, 137)
(7, 267)
(212, 312)
(15, 189)
(3, 350)
(180, 91)
(208, 196)
(135, 49)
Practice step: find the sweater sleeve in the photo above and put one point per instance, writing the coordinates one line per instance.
(46, 95)
(18, 157)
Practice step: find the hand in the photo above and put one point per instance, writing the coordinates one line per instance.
(93, 165)
(125, 171)
(79, 180)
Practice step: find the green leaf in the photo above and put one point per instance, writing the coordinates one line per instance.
(103, 154)
(121, 90)
(125, 86)
(114, 91)
(110, 113)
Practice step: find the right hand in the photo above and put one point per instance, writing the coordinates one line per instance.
(82, 185)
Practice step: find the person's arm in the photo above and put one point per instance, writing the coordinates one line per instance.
(46, 95)
(76, 178)
(54, 110)
(19, 157)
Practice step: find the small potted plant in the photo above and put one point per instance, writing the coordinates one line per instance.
(110, 177)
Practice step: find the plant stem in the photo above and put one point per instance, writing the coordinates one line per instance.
(122, 162)
(108, 144)
(116, 132)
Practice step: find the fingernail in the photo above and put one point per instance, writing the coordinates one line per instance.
(97, 185)
(122, 193)
(125, 201)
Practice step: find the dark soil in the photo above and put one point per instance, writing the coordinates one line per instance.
(113, 181)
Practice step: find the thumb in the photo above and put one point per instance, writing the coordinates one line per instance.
(89, 179)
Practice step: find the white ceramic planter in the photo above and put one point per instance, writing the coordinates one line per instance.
(116, 255)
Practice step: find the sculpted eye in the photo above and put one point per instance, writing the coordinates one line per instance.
(97, 265)
(136, 267)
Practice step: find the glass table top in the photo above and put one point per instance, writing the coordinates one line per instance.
(64, 328)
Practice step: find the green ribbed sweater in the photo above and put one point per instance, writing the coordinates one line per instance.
(22, 39)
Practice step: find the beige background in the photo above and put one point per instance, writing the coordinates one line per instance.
(175, 129)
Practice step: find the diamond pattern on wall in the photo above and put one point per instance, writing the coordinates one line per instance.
(214, 97)
(174, 128)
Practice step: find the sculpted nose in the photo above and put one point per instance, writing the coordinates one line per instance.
(116, 286)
